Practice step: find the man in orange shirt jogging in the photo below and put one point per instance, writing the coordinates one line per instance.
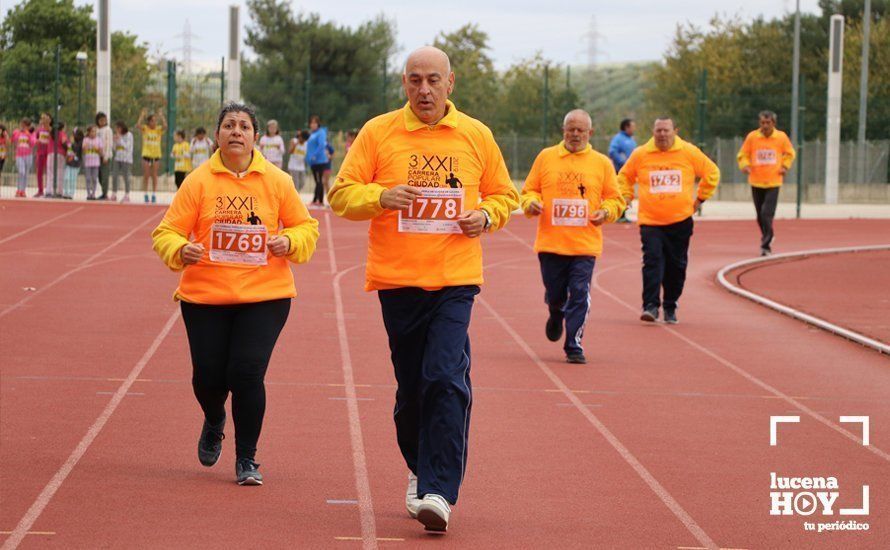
(573, 191)
(766, 155)
(431, 180)
(666, 169)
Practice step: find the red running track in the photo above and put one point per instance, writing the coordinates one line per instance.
(853, 289)
(662, 441)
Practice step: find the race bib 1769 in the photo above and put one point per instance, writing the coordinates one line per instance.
(238, 244)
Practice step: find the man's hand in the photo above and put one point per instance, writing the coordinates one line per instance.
(191, 253)
(472, 223)
(535, 208)
(783, 170)
(279, 245)
(697, 204)
(399, 197)
(598, 217)
(746, 170)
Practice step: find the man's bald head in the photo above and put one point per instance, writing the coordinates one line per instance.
(428, 81)
(428, 56)
(580, 114)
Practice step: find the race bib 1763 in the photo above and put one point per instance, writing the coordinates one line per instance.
(665, 181)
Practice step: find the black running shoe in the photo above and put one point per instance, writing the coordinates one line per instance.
(247, 472)
(576, 358)
(650, 315)
(553, 330)
(670, 316)
(210, 442)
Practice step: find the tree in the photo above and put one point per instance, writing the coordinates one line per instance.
(475, 89)
(29, 36)
(342, 69)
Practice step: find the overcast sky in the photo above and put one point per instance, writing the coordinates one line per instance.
(627, 30)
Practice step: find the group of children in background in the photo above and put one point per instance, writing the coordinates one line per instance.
(99, 153)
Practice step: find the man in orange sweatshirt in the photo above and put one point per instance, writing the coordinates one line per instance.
(766, 155)
(572, 190)
(666, 169)
(431, 180)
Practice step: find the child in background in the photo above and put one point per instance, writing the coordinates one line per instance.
(123, 159)
(201, 147)
(24, 141)
(92, 158)
(152, 134)
(42, 134)
(296, 164)
(272, 145)
(74, 160)
(182, 159)
(55, 162)
(4, 147)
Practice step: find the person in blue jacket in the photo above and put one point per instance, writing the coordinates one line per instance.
(620, 148)
(317, 157)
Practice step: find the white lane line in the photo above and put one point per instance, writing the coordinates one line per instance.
(55, 483)
(39, 225)
(362, 483)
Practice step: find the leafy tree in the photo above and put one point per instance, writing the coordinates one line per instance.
(476, 88)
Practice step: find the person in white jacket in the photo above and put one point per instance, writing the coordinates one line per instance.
(107, 136)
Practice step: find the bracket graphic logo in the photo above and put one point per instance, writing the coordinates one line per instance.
(805, 496)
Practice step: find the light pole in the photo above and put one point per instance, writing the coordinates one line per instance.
(81, 61)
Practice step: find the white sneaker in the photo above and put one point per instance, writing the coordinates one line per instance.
(433, 513)
(411, 500)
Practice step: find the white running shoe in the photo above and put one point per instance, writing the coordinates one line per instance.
(411, 500)
(433, 513)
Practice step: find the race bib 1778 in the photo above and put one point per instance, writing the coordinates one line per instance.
(435, 211)
(665, 181)
(569, 212)
(238, 244)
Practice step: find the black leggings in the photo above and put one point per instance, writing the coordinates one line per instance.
(231, 347)
(318, 175)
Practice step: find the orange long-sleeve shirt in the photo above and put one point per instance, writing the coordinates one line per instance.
(458, 153)
(571, 187)
(766, 156)
(233, 217)
(667, 181)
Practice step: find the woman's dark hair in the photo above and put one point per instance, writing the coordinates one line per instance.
(122, 125)
(234, 107)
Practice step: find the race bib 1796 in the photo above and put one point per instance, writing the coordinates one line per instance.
(569, 212)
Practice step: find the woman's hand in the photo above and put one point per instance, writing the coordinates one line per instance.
(191, 253)
(279, 245)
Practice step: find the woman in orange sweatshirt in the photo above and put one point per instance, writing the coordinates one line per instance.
(231, 229)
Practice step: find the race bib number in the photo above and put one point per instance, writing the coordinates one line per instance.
(665, 181)
(238, 244)
(435, 211)
(766, 157)
(569, 212)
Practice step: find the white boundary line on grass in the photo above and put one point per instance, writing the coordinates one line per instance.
(794, 313)
(359, 461)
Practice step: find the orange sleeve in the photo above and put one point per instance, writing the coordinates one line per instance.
(299, 226)
(499, 196)
(531, 189)
(627, 177)
(613, 203)
(354, 196)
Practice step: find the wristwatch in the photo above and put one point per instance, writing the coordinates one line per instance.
(487, 219)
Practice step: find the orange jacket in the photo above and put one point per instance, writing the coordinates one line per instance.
(211, 195)
(667, 181)
(766, 156)
(560, 180)
(397, 148)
